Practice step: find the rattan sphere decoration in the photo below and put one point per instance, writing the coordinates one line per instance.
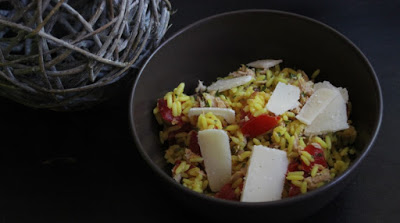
(68, 55)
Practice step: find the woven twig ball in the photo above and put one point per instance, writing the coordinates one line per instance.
(66, 55)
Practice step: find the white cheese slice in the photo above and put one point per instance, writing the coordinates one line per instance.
(226, 84)
(327, 84)
(265, 176)
(316, 104)
(285, 97)
(264, 64)
(227, 113)
(333, 118)
(216, 152)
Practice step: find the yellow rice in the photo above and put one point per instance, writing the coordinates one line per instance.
(287, 135)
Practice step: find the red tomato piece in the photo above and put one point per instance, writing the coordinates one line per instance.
(318, 155)
(227, 193)
(294, 190)
(193, 143)
(259, 125)
(166, 113)
(186, 127)
(293, 166)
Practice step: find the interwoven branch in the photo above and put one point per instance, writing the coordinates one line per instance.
(62, 54)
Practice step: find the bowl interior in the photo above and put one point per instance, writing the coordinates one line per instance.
(216, 46)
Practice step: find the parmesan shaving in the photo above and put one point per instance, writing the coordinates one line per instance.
(226, 84)
(318, 101)
(285, 97)
(327, 84)
(215, 149)
(265, 176)
(227, 113)
(332, 119)
(264, 64)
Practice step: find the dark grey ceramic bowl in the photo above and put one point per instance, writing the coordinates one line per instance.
(217, 45)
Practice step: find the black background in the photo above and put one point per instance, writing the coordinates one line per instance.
(83, 166)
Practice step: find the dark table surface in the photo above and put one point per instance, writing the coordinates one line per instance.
(84, 167)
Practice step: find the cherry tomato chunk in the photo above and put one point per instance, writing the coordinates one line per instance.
(293, 166)
(227, 193)
(186, 127)
(166, 113)
(317, 154)
(294, 190)
(259, 125)
(194, 143)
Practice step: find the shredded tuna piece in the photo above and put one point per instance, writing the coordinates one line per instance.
(200, 87)
(220, 103)
(212, 101)
(306, 87)
(296, 143)
(189, 155)
(243, 71)
(209, 99)
(323, 176)
(296, 110)
(200, 101)
(347, 136)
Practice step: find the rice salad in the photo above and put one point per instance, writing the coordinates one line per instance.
(261, 133)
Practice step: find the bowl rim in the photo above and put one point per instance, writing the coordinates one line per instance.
(284, 201)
